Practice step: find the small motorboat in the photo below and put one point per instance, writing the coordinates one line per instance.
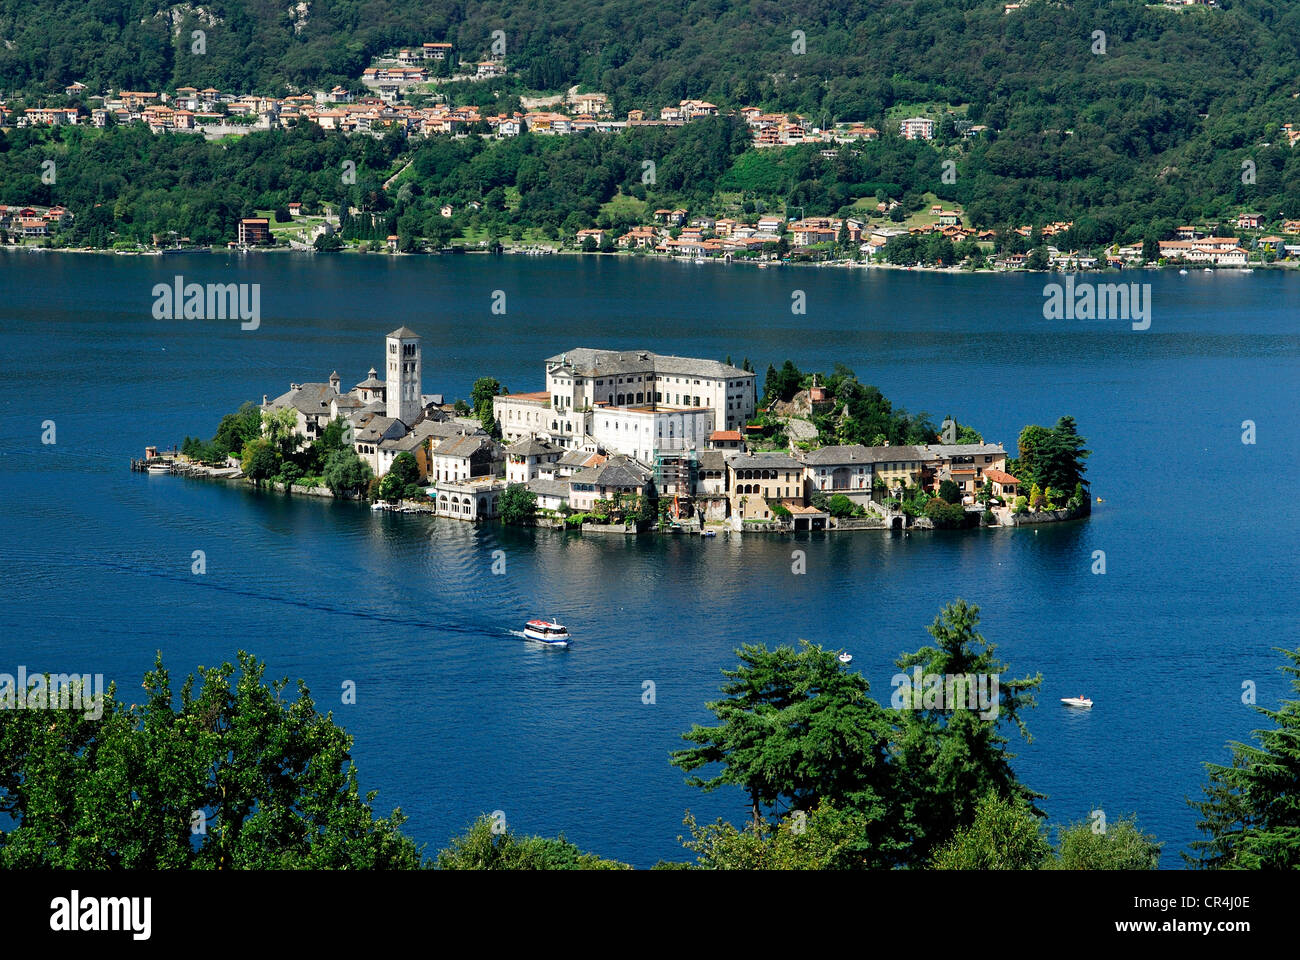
(161, 467)
(1079, 701)
(845, 657)
(1182, 273)
(377, 505)
(708, 533)
(548, 632)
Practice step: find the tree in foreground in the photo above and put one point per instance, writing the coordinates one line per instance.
(235, 776)
(949, 755)
(1120, 846)
(1251, 812)
(794, 729)
(488, 847)
(1006, 834)
(826, 838)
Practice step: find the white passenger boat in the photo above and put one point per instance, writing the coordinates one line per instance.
(548, 632)
(1076, 701)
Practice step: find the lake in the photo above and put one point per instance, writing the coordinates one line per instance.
(454, 716)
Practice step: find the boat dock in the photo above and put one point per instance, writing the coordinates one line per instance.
(172, 463)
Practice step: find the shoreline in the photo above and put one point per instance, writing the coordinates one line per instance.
(192, 470)
(1283, 266)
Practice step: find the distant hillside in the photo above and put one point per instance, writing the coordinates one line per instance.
(1156, 128)
(862, 55)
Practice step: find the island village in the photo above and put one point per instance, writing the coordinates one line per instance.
(628, 429)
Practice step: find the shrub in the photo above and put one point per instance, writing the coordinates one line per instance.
(945, 515)
(518, 505)
(1036, 498)
(1021, 506)
(840, 506)
(950, 492)
(780, 510)
(391, 487)
(290, 474)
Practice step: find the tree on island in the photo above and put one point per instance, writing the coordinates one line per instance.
(234, 776)
(280, 426)
(781, 384)
(259, 460)
(391, 488)
(332, 437)
(1251, 812)
(518, 505)
(1051, 457)
(406, 473)
(346, 473)
(481, 394)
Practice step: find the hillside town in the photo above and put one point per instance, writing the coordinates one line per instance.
(400, 94)
(635, 427)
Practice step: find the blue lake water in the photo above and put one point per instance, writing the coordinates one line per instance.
(454, 716)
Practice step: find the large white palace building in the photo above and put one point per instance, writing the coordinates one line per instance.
(633, 402)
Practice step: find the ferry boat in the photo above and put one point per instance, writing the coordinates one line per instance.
(548, 632)
(1079, 701)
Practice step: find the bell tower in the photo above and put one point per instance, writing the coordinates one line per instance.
(405, 376)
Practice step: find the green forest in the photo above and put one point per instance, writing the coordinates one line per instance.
(1156, 131)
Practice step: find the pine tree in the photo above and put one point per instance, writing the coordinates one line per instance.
(1251, 813)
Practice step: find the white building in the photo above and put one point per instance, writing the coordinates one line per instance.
(526, 457)
(917, 128)
(579, 379)
(402, 361)
(646, 432)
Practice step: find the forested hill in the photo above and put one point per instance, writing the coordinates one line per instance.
(1151, 133)
(862, 55)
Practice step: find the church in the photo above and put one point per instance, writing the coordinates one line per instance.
(384, 417)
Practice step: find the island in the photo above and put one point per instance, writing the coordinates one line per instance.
(627, 441)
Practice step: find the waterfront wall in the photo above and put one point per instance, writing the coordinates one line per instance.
(860, 523)
(1048, 516)
(618, 528)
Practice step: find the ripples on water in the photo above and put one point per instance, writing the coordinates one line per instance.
(456, 716)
